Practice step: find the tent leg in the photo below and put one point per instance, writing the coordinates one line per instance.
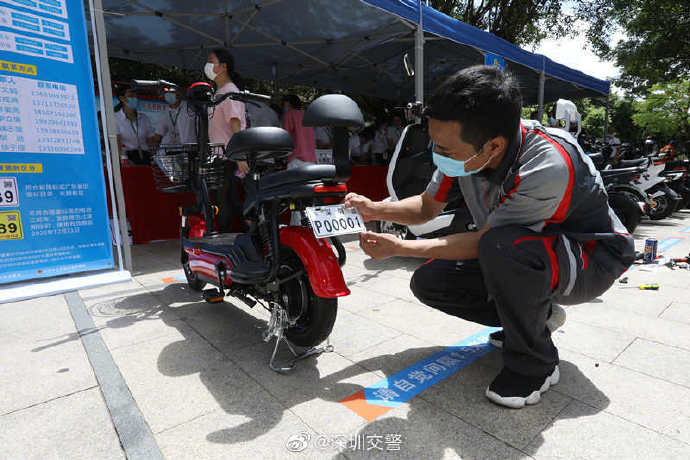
(606, 118)
(540, 96)
(109, 130)
(419, 59)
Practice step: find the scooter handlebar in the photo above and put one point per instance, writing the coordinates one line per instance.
(148, 84)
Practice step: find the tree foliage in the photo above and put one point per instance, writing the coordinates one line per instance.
(656, 38)
(664, 112)
(523, 22)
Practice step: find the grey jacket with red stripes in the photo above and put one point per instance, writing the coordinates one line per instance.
(548, 184)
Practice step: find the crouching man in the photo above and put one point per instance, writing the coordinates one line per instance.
(547, 235)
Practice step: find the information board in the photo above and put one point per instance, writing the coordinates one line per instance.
(53, 211)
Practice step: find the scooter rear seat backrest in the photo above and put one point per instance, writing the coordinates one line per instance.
(259, 144)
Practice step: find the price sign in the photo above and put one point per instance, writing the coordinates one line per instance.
(11, 226)
(8, 191)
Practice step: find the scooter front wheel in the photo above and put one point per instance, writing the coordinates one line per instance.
(313, 317)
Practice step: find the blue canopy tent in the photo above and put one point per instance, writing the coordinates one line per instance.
(354, 46)
(350, 45)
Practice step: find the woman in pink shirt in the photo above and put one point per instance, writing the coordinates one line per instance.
(302, 136)
(224, 120)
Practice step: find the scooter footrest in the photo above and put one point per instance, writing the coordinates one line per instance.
(213, 296)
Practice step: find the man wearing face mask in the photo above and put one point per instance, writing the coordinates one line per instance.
(546, 233)
(178, 125)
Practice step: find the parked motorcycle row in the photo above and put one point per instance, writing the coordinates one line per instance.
(641, 185)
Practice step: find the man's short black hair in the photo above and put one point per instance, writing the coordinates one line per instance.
(224, 57)
(484, 99)
(293, 100)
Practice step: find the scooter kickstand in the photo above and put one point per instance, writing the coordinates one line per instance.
(277, 328)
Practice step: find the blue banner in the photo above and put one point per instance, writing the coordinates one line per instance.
(53, 211)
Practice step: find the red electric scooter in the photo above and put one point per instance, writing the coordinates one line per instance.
(291, 270)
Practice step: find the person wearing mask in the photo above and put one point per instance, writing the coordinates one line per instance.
(395, 130)
(178, 125)
(546, 234)
(226, 119)
(134, 130)
(302, 136)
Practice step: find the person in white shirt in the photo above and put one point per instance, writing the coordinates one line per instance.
(261, 114)
(379, 146)
(178, 125)
(134, 130)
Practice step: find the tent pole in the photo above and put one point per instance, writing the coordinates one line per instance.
(419, 58)
(606, 117)
(109, 130)
(540, 96)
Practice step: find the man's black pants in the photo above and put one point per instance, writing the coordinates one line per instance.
(518, 275)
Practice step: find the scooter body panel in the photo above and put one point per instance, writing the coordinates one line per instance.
(317, 256)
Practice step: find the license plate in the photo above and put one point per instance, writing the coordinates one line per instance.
(11, 225)
(334, 220)
(8, 191)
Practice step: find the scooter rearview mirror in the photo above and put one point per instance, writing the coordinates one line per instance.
(409, 68)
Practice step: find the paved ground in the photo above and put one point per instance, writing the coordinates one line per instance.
(198, 377)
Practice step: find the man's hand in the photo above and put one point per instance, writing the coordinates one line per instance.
(379, 245)
(364, 205)
(243, 167)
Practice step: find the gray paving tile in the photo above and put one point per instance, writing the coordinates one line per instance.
(353, 333)
(75, 427)
(596, 342)
(660, 361)
(395, 354)
(677, 311)
(656, 329)
(175, 379)
(427, 432)
(582, 432)
(361, 298)
(314, 389)
(133, 319)
(653, 403)
(646, 303)
(422, 321)
(248, 431)
(462, 394)
(42, 356)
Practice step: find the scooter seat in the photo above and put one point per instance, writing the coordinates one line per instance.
(631, 163)
(259, 144)
(301, 174)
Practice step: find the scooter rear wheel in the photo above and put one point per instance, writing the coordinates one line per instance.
(195, 284)
(315, 315)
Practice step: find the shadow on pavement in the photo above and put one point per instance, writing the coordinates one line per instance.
(233, 396)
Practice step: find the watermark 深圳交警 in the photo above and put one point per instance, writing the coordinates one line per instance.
(340, 442)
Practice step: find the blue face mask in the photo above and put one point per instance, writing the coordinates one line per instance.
(455, 168)
(132, 103)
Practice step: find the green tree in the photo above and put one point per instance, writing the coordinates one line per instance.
(656, 43)
(621, 119)
(665, 111)
(523, 22)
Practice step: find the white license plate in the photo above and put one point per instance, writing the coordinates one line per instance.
(334, 220)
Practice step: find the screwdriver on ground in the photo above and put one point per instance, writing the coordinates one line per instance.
(644, 287)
